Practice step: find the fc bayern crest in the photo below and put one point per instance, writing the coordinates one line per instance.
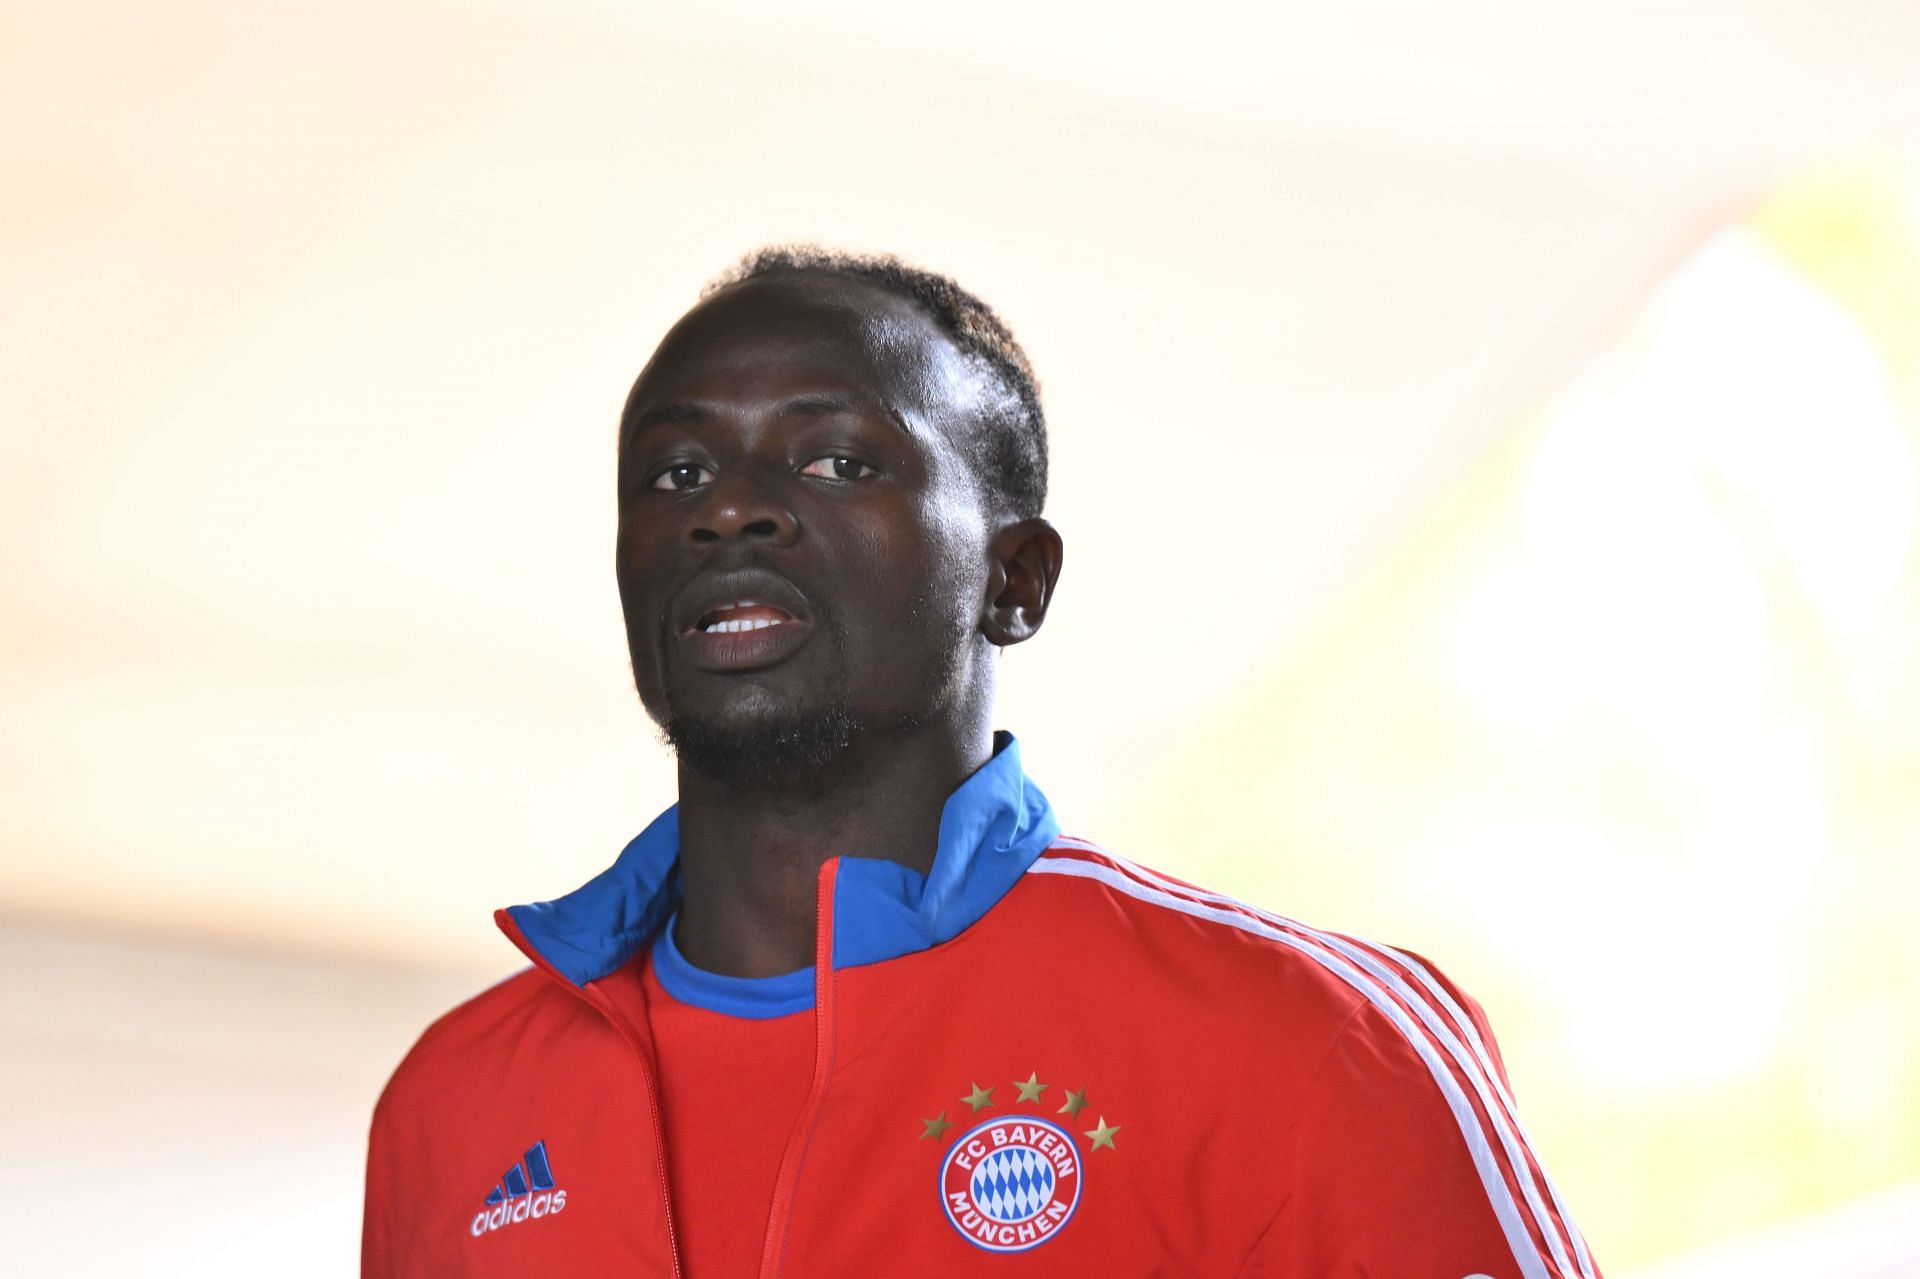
(1010, 1183)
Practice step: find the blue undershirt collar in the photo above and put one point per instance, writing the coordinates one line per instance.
(755, 997)
(991, 829)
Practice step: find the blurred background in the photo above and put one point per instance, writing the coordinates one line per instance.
(1487, 438)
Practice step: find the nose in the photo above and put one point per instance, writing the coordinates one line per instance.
(739, 507)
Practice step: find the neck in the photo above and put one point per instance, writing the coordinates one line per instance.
(751, 852)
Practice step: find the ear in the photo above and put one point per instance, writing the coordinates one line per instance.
(1023, 566)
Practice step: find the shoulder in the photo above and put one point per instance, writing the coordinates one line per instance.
(463, 1050)
(1263, 961)
(1397, 1102)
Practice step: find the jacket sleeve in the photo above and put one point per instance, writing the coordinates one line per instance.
(379, 1258)
(1407, 1159)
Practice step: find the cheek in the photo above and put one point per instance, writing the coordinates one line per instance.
(640, 572)
(957, 536)
(637, 552)
(944, 573)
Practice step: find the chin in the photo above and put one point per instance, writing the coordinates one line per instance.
(767, 746)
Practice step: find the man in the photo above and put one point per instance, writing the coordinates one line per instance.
(854, 1006)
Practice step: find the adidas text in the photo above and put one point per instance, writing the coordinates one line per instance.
(518, 1210)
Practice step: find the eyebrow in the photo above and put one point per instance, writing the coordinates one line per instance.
(813, 404)
(665, 414)
(828, 404)
(658, 415)
(820, 404)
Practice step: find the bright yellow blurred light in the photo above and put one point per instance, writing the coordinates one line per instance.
(1627, 736)
(1746, 423)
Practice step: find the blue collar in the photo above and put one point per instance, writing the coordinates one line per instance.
(991, 829)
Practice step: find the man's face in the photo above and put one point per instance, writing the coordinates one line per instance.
(802, 545)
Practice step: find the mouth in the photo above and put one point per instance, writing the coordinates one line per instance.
(740, 617)
(742, 620)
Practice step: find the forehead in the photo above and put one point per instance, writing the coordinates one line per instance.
(784, 334)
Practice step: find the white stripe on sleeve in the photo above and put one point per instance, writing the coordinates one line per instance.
(1368, 984)
(1513, 1139)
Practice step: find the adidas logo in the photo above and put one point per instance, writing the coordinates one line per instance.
(525, 1191)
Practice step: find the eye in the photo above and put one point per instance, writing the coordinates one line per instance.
(837, 468)
(683, 475)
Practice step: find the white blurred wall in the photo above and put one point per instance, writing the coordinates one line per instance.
(316, 321)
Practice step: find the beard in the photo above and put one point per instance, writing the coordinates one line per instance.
(776, 747)
(765, 750)
(791, 745)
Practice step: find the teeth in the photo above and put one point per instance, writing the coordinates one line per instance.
(735, 626)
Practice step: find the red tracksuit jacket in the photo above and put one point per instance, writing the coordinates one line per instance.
(1268, 1099)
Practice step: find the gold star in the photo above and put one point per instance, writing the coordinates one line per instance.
(1103, 1135)
(935, 1126)
(1075, 1100)
(979, 1098)
(1031, 1090)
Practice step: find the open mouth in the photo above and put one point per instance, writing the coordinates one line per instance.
(740, 616)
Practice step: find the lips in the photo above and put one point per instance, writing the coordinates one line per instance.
(738, 601)
(740, 620)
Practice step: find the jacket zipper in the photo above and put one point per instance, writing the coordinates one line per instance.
(604, 1007)
(773, 1254)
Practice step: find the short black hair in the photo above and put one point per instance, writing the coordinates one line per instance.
(1011, 453)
